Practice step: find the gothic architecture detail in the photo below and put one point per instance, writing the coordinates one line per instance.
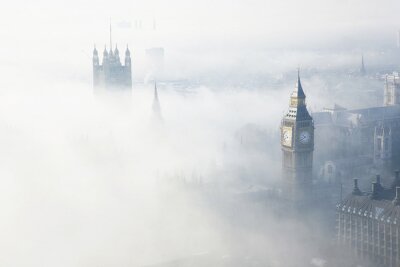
(368, 223)
(392, 90)
(383, 145)
(297, 143)
(357, 141)
(111, 74)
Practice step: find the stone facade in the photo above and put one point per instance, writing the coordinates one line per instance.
(297, 143)
(392, 89)
(368, 223)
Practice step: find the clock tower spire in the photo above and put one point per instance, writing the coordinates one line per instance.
(297, 142)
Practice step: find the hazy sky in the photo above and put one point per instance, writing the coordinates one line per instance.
(59, 35)
(78, 174)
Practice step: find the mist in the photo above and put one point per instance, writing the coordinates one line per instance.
(91, 180)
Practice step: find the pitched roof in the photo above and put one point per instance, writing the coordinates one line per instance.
(378, 205)
(298, 90)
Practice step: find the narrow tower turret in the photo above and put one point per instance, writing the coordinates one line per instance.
(116, 56)
(96, 67)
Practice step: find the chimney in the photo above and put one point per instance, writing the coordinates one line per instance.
(375, 189)
(378, 179)
(396, 200)
(356, 190)
(396, 181)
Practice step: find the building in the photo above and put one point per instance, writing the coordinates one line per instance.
(363, 71)
(383, 145)
(368, 223)
(392, 89)
(297, 143)
(356, 142)
(111, 74)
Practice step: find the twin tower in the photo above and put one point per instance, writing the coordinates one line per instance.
(111, 74)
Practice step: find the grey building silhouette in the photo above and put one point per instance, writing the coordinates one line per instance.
(363, 71)
(157, 117)
(112, 74)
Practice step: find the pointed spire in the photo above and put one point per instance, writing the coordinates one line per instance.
(105, 53)
(362, 69)
(116, 51)
(156, 105)
(155, 91)
(298, 92)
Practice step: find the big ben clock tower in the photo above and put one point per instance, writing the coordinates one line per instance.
(297, 142)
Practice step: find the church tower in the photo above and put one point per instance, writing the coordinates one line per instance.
(297, 142)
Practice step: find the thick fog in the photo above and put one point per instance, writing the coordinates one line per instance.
(89, 180)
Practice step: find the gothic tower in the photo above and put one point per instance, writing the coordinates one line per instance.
(297, 142)
(112, 75)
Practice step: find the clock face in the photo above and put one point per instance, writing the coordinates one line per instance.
(287, 136)
(304, 137)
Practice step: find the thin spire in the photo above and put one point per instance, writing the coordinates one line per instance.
(156, 105)
(155, 91)
(298, 73)
(362, 69)
(299, 88)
